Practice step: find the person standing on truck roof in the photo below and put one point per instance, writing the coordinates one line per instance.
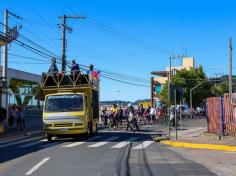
(74, 66)
(53, 68)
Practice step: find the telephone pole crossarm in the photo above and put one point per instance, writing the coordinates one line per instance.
(64, 29)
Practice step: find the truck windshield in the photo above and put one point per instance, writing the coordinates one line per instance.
(64, 103)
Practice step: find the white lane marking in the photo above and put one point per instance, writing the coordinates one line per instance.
(19, 142)
(124, 143)
(73, 144)
(143, 145)
(82, 142)
(98, 144)
(33, 169)
(30, 144)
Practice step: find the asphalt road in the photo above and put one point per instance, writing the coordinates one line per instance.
(117, 153)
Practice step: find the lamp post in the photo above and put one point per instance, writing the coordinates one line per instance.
(191, 90)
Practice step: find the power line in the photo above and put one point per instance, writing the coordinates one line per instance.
(26, 57)
(125, 82)
(120, 35)
(40, 17)
(35, 44)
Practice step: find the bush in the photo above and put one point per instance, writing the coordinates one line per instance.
(3, 114)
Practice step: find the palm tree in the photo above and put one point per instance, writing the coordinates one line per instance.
(15, 86)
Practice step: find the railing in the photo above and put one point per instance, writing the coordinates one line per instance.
(67, 80)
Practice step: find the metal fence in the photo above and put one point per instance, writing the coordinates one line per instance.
(214, 110)
(229, 115)
(222, 115)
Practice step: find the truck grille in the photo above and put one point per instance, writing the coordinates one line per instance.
(63, 125)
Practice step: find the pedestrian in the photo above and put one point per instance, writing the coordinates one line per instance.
(21, 119)
(13, 116)
(53, 68)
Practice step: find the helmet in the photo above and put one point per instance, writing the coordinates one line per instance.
(130, 104)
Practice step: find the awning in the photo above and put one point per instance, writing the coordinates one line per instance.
(160, 73)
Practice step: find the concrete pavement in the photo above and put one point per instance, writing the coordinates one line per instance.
(108, 153)
(195, 144)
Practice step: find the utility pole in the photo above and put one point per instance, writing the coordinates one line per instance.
(64, 29)
(169, 99)
(12, 35)
(230, 68)
(230, 77)
(152, 101)
(169, 80)
(5, 57)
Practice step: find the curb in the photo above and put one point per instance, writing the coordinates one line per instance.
(199, 146)
(20, 136)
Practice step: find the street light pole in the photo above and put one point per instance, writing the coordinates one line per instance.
(169, 99)
(191, 99)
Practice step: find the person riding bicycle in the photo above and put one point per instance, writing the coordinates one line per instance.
(141, 110)
(120, 115)
(114, 113)
(104, 115)
(131, 110)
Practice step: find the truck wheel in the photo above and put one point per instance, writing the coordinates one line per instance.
(49, 137)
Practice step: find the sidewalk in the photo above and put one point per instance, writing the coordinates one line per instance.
(196, 133)
(33, 128)
(194, 143)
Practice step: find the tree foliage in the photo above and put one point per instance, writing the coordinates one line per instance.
(187, 79)
(15, 86)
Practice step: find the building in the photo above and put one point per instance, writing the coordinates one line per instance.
(161, 77)
(31, 78)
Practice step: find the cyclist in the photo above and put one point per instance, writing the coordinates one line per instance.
(104, 116)
(114, 113)
(131, 110)
(120, 115)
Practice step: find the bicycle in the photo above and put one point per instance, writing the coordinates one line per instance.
(112, 122)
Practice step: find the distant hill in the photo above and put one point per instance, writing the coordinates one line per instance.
(138, 101)
(119, 102)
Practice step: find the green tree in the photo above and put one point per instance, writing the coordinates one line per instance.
(188, 79)
(15, 86)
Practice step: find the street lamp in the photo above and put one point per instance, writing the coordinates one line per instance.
(191, 90)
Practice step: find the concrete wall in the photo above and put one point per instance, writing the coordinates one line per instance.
(161, 80)
(187, 63)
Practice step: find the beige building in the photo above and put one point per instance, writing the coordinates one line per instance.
(161, 77)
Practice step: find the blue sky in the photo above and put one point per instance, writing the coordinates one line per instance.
(202, 28)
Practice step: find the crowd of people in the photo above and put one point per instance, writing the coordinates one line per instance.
(144, 115)
(16, 118)
(149, 115)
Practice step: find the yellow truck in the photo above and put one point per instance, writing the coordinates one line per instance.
(71, 104)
